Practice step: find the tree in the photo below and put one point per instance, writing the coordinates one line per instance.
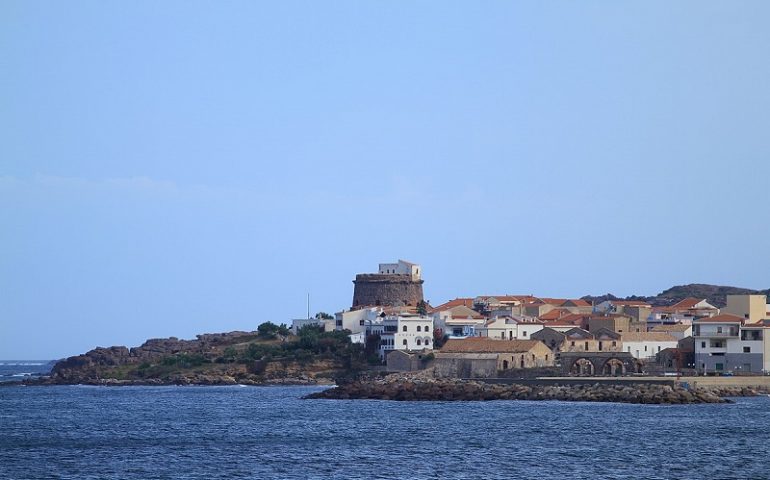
(422, 307)
(268, 329)
(324, 316)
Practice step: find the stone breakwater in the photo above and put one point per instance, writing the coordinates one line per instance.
(464, 390)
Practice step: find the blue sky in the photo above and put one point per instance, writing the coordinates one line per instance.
(174, 168)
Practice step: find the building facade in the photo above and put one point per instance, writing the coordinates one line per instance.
(726, 343)
(401, 332)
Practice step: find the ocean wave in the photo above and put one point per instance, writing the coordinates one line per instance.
(22, 364)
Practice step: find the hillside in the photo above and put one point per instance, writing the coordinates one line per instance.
(715, 294)
(271, 355)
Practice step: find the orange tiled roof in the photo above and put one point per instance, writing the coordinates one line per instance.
(465, 302)
(554, 314)
(687, 303)
(488, 345)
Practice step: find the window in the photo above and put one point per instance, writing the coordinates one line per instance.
(702, 344)
(645, 348)
(419, 328)
(419, 342)
(404, 342)
(546, 358)
(404, 329)
(572, 344)
(746, 349)
(719, 329)
(586, 346)
(600, 346)
(658, 348)
(614, 343)
(427, 341)
(360, 322)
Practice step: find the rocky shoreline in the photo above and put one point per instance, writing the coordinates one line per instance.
(421, 389)
(192, 380)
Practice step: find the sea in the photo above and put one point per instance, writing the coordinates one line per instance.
(240, 432)
(15, 370)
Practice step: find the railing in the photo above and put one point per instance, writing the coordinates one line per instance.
(716, 334)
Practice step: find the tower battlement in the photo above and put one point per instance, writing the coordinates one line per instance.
(395, 285)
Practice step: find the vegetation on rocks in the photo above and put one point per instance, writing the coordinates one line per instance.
(269, 355)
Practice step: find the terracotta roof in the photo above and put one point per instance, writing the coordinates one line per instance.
(688, 303)
(724, 318)
(488, 345)
(672, 328)
(465, 302)
(461, 312)
(554, 314)
(647, 337)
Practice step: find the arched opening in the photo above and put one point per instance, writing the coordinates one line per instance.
(582, 366)
(614, 368)
(404, 342)
(505, 364)
(419, 328)
(403, 328)
(521, 362)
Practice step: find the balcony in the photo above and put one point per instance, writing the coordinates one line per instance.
(699, 334)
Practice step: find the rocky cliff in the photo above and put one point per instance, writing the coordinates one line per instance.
(211, 359)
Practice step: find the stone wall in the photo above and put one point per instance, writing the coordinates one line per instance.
(386, 290)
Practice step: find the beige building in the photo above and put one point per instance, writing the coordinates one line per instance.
(579, 340)
(678, 331)
(509, 354)
(752, 308)
(617, 322)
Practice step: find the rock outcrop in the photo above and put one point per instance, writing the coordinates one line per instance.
(405, 388)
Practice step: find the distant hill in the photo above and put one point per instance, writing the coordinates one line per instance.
(715, 294)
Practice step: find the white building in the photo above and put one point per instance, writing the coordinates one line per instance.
(354, 320)
(516, 327)
(457, 321)
(401, 332)
(645, 345)
(683, 312)
(401, 268)
(726, 343)
(327, 325)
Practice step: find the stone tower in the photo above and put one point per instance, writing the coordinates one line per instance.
(396, 284)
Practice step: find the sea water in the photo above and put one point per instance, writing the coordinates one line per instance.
(15, 370)
(86, 432)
